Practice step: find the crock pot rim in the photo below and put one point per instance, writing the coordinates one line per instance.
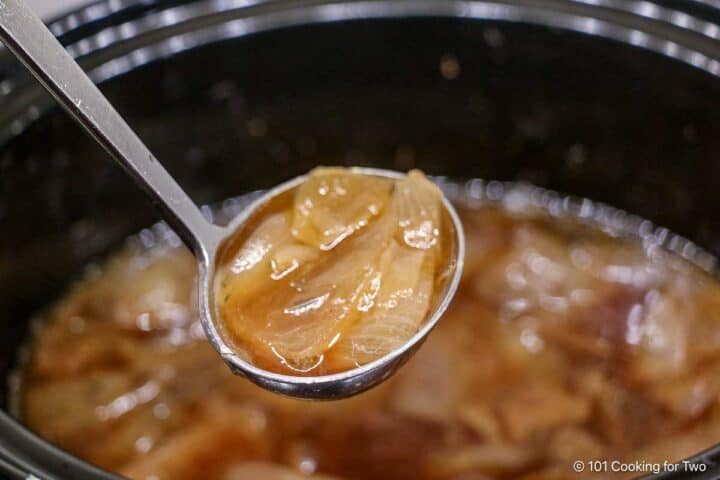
(672, 32)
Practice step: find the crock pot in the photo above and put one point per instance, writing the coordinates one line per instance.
(614, 100)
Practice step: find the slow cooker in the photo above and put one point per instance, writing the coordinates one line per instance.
(607, 99)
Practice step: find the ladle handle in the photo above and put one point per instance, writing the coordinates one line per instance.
(27, 37)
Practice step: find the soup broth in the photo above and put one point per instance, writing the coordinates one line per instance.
(564, 343)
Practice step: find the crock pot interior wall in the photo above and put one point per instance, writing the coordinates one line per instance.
(562, 110)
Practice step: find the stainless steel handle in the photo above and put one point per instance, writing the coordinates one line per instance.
(27, 37)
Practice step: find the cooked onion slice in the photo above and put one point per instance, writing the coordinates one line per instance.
(299, 320)
(335, 202)
(251, 267)
(416, 201)
(401, 304)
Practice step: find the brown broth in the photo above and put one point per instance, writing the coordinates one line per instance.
(562, 344)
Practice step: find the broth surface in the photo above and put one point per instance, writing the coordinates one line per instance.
(335, 273)
(562, 344)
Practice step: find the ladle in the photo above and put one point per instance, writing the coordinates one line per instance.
(34, 45)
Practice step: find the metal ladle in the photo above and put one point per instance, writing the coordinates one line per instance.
(34, 45)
